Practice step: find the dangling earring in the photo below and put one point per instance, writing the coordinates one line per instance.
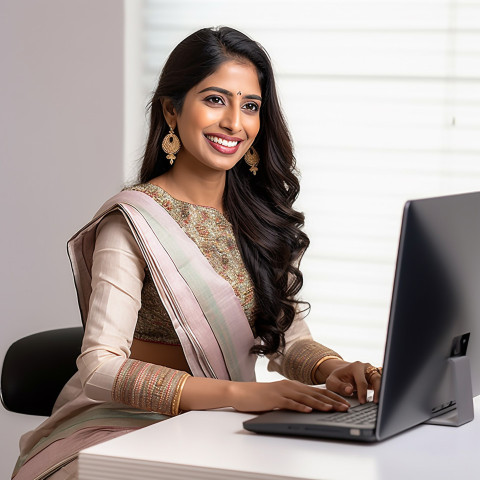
(252, 159)
(171, 145)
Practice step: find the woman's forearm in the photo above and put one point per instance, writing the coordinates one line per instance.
(205, 393)
(208, 393)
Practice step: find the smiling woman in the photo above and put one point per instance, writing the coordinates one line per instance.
(195, 95)
(185, 278)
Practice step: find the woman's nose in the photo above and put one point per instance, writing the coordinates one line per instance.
(231, 119)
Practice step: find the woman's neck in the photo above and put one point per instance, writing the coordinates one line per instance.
(204, 189)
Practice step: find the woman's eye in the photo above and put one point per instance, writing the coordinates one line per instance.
(252, 106)
(215, 100)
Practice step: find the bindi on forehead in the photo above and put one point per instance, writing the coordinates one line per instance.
(228, 93)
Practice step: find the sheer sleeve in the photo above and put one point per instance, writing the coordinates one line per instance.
(106, 371)
(301, 355)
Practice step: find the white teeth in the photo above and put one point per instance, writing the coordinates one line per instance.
(222, 141)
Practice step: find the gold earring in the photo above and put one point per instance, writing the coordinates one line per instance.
(252, 159)
(171, 145)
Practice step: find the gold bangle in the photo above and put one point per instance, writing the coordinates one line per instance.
(178, 394)
(323, 359)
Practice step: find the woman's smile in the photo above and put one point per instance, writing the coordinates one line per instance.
(223, 143)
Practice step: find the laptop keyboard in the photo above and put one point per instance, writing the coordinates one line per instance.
(359, 415)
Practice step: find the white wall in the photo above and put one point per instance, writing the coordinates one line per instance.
(61, 155)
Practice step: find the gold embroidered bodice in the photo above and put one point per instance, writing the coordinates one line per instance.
(213, 235)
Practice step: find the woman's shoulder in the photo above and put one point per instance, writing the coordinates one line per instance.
(113, 232)
(154, 191)
(112, 221)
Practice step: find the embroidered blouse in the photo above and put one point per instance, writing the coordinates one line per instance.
(125, 305)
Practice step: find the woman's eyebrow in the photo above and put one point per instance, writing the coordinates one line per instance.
(253, 97)
(217, 89)
(229, 94)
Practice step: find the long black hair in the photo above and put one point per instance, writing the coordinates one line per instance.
(260, 208)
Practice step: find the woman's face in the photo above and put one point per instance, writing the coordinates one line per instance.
(220, 117)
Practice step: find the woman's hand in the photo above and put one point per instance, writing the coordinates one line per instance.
(284, 394)
(206, 393)
(347, 378)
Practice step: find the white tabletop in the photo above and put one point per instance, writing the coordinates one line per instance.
(214, 445)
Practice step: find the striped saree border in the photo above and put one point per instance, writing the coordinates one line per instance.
(97, 416)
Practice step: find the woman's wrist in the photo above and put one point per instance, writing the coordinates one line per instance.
(325, 367)
(201, 393)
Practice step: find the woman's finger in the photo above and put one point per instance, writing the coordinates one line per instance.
(361, 381)
(325, 402)
(323, 393)
(338, 385)
(317, 398)
(334, 396)
(290, 404)
(374, 377)
(375, 381)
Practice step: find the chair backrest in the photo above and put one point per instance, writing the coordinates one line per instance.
(36, 368)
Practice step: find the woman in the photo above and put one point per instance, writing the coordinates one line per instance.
(186, 277)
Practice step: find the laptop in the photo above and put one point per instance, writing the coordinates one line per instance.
(431, 369)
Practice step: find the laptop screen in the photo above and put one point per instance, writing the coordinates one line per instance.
(435, 310)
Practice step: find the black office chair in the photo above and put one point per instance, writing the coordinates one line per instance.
(36, 368)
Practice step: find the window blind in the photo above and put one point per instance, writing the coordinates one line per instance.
(383, 102)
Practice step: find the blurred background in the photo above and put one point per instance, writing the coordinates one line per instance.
(382, 99)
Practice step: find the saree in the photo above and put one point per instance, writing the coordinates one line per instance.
(205, 313)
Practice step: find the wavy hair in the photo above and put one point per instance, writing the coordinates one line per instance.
(260, 208)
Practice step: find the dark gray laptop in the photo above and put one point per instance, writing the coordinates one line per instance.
(432, 355)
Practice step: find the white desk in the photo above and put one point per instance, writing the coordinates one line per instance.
(213, 445)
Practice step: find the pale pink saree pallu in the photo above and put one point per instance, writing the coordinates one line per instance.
(206, 314)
